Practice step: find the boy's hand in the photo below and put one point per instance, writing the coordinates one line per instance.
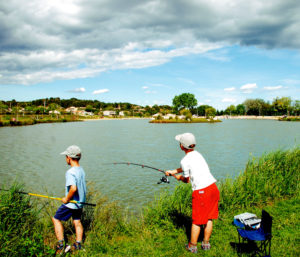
(65, 200)
(168, 173)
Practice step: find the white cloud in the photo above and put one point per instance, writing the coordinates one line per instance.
(273, 88)
(78, 90)
(228, 100)
(229, 89)
(35, 43)
(145, 87)
(248, 88)
(100, 91)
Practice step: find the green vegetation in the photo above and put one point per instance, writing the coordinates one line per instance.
(289, 119)
(270, 182)
(9, 120)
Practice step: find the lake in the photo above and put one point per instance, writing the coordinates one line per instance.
(31, 154)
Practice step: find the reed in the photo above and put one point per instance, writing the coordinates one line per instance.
(273, 176)
(19, 226)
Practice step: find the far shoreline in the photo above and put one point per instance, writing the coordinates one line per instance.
(220, 118)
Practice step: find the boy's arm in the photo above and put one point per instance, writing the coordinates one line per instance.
(182, 178)
(173, 172)
(72, 191)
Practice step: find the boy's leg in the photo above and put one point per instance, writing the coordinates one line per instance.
(195, 231)
(78, 230)
(208, 230)
(59, 229)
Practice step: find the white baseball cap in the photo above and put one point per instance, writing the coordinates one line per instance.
(186, 139)
(72, 151)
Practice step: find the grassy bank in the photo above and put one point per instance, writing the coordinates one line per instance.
(291, 118)
(194, 120)
(9, 120)
(270, 182)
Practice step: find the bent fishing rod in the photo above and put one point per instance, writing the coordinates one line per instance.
(49, 197)
(164, 178)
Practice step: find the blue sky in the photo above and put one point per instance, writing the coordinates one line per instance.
(146, 52)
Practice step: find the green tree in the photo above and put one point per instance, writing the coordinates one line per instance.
(296, 107)
(201, 109)
(254, 106)
(210, 113)
(29, 109)
(185, 100)
(240, 109)
(3, 107)
(155, 108)
(282, 105)
(89, 108)
(230, 110)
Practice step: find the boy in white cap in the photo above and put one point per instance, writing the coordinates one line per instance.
(205, 195)
(75, 190)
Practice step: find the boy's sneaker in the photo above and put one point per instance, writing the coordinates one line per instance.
(77, 246)
(191, 248)
(205, 245)
(62, 248)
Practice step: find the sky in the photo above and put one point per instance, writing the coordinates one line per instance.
(146, 52)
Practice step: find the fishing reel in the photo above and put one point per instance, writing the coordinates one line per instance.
(164, 179)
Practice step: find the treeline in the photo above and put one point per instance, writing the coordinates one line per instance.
(259, 107)
(279, 106)
(65, 103)
(185, 101)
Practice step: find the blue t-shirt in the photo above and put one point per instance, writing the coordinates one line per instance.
(76, 176)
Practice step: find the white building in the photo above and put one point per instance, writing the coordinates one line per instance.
(85, 113)
(54, 112)
(169, 115)
(109, 113)
(72, 110)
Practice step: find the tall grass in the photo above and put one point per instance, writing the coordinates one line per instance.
(19, 227)
(273, 176)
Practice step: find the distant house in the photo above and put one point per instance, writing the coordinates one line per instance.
(169, 115)
(54, 112)
(156, 115)
(121, 113)
(72, 110)
(85, 113)
(109, 113)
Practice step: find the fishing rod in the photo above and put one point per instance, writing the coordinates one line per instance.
(164, 179)
(50, 197)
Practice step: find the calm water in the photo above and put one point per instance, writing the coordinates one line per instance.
(31, 154)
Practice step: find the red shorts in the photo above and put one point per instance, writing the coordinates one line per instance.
(205, 204)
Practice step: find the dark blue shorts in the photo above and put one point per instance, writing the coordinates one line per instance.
(64, 213)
